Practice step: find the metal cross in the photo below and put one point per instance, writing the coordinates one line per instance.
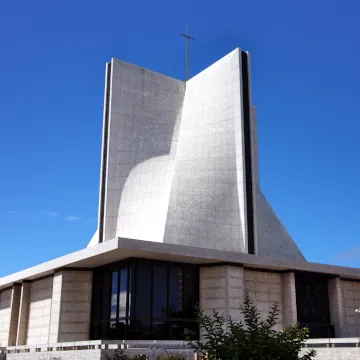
(187, 51)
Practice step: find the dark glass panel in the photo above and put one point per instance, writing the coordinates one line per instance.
(191, 330)
(159, 303)
(160, 329)
(123, 292)
(191, 292)
(313, 304)
(120, 333)
(176, 330)
(175, 292)
(143, 291)
(113, 301)
(139, 329)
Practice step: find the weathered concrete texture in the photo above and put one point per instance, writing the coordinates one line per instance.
(272, 238)
(173, 164)
(207, 206)
(39, 311)
(265, 289)
(289, 298)
(145, 113)
(5, 315)
(351, 300)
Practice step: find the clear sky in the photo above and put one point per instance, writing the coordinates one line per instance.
(306, 86)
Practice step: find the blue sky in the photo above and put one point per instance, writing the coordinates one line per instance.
(306, 86)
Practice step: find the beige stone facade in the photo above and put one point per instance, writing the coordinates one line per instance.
(264, 288)
(351, 301)
(50, 310)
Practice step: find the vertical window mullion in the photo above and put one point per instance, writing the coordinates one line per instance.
(151, 296)
(167, 293)
(128, 289)
(118, 298)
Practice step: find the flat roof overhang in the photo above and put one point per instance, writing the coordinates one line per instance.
(120, 248)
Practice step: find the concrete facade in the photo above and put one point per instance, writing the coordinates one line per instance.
(39, 311)
(222, 290)
(289, 298)
(5, 315)
(180, 161)
(351, 300)
(264, 289)
(50, 310)
(179, 183)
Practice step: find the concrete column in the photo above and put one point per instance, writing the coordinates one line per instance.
(55, 308)
(289, 298)
(14, 313)
(23, 314)
(336, 304)
(222, 289)
(71, 306)
(5, 315)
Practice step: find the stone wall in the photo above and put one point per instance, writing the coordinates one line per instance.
(351, 298)
(74, 324)
(336, 306)
(5, 312)
(264, 288)
(221, 289)
(39, 311)
(289, 298)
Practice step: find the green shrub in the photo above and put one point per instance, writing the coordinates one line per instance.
(171, 356)
(119, 354)
(252, 339)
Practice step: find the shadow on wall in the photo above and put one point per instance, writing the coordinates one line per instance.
(145, 115)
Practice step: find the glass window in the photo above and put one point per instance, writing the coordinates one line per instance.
(143, 291)
(148, 301)
(159, 301)
(113, 302)
(123, 293)
(175, 292)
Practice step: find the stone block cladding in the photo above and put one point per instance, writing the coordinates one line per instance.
(14, 313)
(74, 320)
(39, 311)
(222, 289)
(336, 305)
(5, 312)
(289, 298)
(265, 289)
(23, 314)
(351, 300)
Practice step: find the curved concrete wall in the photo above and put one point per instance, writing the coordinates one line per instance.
(180, 163)
(207, 196)
(145, 113)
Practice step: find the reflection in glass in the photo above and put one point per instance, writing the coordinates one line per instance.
(114, 285)
(175, 292)
(159, 302)
(149, 301)
(122, 293)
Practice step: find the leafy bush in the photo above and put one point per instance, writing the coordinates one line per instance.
(171, 356)
(119, 354)
(253, 339)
